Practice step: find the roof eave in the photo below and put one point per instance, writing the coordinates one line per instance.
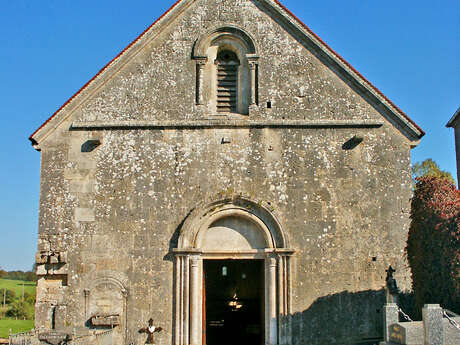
(452, 122)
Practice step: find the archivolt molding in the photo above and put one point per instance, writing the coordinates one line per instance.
(231, 31)
(232, 211)
(202, 217)
(109, 280)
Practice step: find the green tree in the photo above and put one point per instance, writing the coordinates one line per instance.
(19, 310)
(30, 276)
(2, 272)
(10, 296)
(429, 168)
(29, 298)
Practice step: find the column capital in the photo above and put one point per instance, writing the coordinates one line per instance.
(201, 60)
(252, 61)
(273, 260)
(194, 260)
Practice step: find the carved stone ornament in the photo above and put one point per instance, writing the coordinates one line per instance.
(51, 257)
(150, 330)
(54, 337)
(391, 281)
(106, 320)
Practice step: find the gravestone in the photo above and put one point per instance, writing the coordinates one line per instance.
(408, 333)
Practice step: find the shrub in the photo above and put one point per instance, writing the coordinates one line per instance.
(20, 310)
(10, 296)
(433, 246)
(29, 298)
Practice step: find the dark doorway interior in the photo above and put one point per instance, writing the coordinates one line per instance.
(234, 302)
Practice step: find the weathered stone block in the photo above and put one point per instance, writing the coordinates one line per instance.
(433, 324)
(84, 215)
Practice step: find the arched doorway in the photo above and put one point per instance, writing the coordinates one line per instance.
(240, 239)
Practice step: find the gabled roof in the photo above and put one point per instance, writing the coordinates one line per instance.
(411, 129)
(453, 121)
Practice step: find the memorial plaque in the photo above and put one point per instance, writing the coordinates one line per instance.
(106, 320)
(54, 337)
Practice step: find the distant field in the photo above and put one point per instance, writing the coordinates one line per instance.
(16, 285)
(16, 326)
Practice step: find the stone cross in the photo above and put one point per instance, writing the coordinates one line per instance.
(391, 286)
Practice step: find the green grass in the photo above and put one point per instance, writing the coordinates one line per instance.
(16, 285)
(16, 326)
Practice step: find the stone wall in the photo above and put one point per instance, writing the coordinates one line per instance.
(113, 198)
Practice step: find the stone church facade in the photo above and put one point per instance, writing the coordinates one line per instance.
(455, 124)
(229, 176)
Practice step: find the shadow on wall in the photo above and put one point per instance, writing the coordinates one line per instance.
(406, 301)
(342, 318)
(173, 242)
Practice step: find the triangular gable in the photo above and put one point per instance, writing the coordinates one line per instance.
(454, 120)
(274, 7)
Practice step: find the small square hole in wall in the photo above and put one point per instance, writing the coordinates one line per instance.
(269, 105)
(374, 258)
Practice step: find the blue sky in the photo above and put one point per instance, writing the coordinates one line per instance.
(409, 49)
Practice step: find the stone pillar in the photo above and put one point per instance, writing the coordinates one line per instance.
(86, 293)
(186, 300)
(200, 63)
(270, 303)
(253, 71)
(178, 298)
(182, 299)
(433, 324)
(195, 304)
(125, 294)
(281, 301)
(390, 316)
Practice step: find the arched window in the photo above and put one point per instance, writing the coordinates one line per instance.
(226, 71)
(227, 76)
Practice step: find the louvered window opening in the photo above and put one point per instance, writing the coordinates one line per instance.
(227, 82)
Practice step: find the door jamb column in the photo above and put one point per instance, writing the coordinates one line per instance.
(271, 319)
(196, 299)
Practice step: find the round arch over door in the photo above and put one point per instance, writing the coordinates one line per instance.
(231, 229)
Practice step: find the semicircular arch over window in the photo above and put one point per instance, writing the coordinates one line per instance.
(226, 73)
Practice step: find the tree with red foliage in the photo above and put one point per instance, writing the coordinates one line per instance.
(433, 245)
